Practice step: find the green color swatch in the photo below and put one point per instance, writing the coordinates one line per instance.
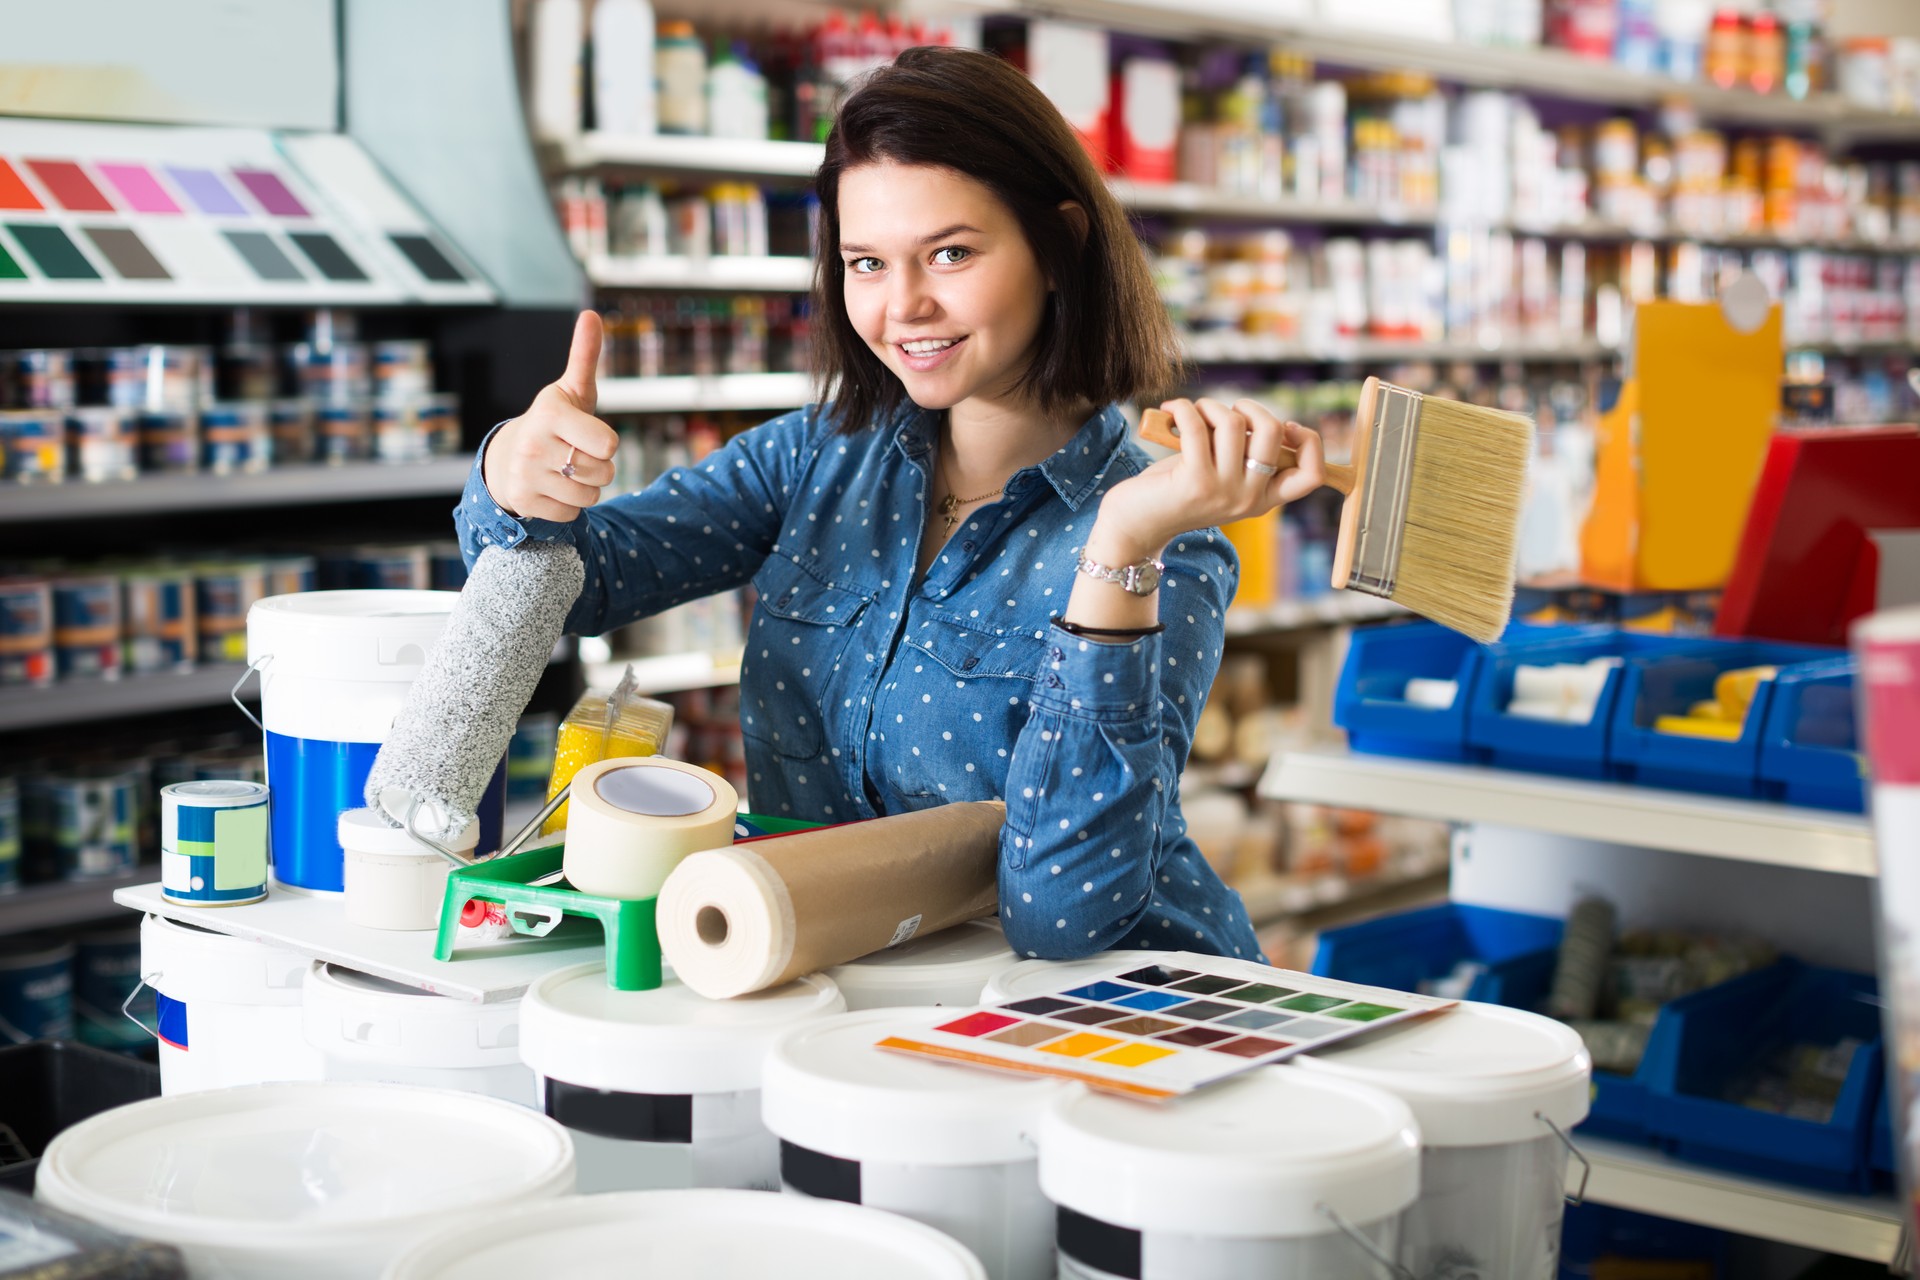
(1363, 1012)
(1311, 1003)
(1260, 993)
(9, 269)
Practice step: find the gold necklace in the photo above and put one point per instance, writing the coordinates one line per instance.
(950, 506)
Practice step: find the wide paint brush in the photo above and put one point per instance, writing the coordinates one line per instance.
(1432, 516)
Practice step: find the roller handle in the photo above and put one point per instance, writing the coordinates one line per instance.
(1158, 426)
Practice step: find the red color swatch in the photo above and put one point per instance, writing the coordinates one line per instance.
(977, 1024)
(70, 186)
(13, 191)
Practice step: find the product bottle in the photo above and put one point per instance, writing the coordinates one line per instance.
(736, 95)
(1725, 48)
(556, 36)
(681, 70)
(623, 91)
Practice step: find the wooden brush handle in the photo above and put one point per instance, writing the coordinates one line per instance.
(1157, 425)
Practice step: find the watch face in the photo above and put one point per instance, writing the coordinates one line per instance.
(1147, 579)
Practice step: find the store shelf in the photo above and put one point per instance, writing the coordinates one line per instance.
(1241, 348)
(732, 156)
(1269, 902)
(1186, 197)
(691, 395)
(1679, 821)
(79, 700)
(669, 673)
(1646, 1181)
(1332, 609)
(280, 487)
(62, 903)
(764, 275)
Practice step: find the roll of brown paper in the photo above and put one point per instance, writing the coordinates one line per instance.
(758, 914)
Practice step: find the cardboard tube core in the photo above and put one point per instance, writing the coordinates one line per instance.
(711, 925)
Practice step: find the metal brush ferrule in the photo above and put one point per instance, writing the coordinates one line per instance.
(1383, 499)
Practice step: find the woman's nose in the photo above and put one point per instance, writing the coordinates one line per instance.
(908, 298)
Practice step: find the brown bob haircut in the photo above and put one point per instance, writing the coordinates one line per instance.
(1104, 336)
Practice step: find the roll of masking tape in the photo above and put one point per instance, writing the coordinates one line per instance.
(631, 819)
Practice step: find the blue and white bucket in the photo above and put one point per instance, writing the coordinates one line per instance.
(213, 843)
(335, 667)
(36, 990)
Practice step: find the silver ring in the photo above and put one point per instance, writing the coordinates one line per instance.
(1264, 468)
(566, 468)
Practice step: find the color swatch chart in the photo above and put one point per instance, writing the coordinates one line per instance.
(115, 213)
(1160, 1030)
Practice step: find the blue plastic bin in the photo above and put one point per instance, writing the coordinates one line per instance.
(1728, 1030)
(1595, 1235)
(1809, 747)
(1660, 686)
(1543, 746)
(1402, 951)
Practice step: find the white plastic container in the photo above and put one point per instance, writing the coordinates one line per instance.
(1277, 1174)
(1042, 977)
(1489, 1087)
(228, 1010)
(661, 1088)
(689, 1233)
(950, 967)
(947, 1145)
(302, 1181)
(391, 880)
(367, 1028)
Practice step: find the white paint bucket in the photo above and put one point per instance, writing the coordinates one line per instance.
(1277, 1173)
(690, 1233)
(392, 880)
(302, 1181)
(1025, 978)
(368, 1028)
(947, 1145)
(950, 967)
(661, 1088)
(1495, 1091)
(228, 1010)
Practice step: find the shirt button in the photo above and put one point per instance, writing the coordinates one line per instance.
(966, 546)
(970, 664)
(1053, 681)
(1058, 654)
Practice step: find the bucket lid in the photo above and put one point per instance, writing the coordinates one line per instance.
(577, 1029)
(188, 962)
(1475, 1076)
(1042, 977)
(1254, 1156)
(353, 1013)
(828, 1087)
(368, 831)
(215, 793)
(690, 1233)
(296, 1166)
(964, 956)
(349, 635)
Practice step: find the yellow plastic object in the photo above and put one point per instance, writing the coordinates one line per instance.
(1258, 543)
(1734, 690)
(1708, 710)
(1698, 727)
(1680, 452)
(639, 728)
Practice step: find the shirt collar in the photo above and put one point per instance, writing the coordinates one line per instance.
(1073, 470)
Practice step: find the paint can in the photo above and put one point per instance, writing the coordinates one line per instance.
(1045, 977)
(391, 880)
(103, 444)
(115, 376)
(159, 614)
(106, 972)
(439, 416)
(335, 667)
(26, 632)
(235, 438)
(10, 835)
(96, 821)
(170, 378)
(227, 1011)
(1495, 1092)
(33, 446)
(943, 1144)
(169, 440)
(290, 575)
(1275, 1173)
(213, 843)
(397, 435)
(303, 1181)
(290, 420)
(86, 627)
(402, 370)
(661, 1088)
(689, 1233)
(224, 595)
(950, 967)
(389, 568)
(343, 432)
(370, 1029)
(36, 989)
(333, 373)
(37, 379)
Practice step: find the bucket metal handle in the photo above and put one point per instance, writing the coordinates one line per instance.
(425, 841)
(126, 1006)
(240, 684)
(1363, 1242)
(1579, 1197)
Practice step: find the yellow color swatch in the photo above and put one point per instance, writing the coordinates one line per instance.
(1135, 1055)
(1081, 1045)
(1694, 727)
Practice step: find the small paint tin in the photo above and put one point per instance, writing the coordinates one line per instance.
(446, 567)
(290, 421)
(35, 444)
(169, 440)
(402, 370)
(36, 990)
(237, 764)
(37, 380)
(172, 378)
(96, 822)
(106, 971)
(26, 632)
(397, 436)
(213, 842)
(403, 568)
(343, 432)
(223, 594)
(158, 605)
(439, 416)
(290, 575)
(335, 374)
(86, 627)
(10, 838)
(103, 444)
(235, 438)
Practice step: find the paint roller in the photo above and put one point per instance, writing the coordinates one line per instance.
(461, 711)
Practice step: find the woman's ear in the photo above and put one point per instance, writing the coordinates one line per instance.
(1076, 215)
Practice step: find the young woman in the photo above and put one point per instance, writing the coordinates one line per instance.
(972, 584)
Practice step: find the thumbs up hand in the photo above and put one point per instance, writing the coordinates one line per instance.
(551, 462)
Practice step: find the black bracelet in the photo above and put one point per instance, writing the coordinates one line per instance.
(1076, 629)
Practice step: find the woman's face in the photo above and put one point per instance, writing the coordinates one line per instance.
(940, 281)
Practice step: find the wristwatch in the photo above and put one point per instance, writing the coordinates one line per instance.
(1142, 578)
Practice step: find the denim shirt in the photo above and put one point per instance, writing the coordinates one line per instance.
(868, 689)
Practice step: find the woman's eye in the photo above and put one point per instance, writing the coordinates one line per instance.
(952, 255)
(864, 266)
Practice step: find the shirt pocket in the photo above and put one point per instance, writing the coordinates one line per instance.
(955, 703)
(801, 629)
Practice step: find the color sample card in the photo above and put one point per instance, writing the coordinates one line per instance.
(1165, 1029)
